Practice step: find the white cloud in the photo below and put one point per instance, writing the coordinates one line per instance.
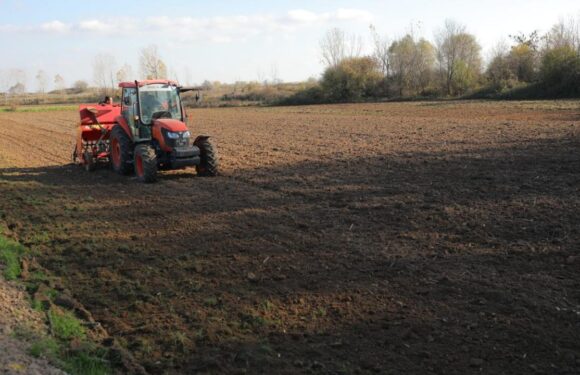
(8, 28)
(302, 16)
(119, 25)
(353, 15)
(95, 25)
(223, 29)
(55, 26)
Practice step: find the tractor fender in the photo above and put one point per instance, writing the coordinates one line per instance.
(201, 138)
(120, 120)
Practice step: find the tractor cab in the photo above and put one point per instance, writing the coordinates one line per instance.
(146, 101)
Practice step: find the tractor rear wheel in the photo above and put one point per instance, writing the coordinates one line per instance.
(208, 166)
(145, 163)
(121, 147)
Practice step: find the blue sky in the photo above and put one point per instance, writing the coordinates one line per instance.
(236, 40)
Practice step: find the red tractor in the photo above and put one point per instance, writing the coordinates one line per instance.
(145, 133)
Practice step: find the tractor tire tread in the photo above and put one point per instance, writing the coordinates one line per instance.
(149, 160)
(126, 148)
(209, 163)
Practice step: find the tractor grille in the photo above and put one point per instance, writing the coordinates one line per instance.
(174, 143)
(181, 142)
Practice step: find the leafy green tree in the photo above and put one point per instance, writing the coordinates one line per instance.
(456, 49)
(523, 62)
(465, 77)
(412, 64)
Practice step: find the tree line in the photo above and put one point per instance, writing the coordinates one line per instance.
(106, 75)
(449, 66)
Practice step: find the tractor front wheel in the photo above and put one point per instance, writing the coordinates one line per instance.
(145, 163)
(208, 166)
(121, 147)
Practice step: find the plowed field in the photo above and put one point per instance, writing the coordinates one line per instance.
(371, 238)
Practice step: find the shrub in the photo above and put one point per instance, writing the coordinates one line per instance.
(352, 79)
(80, 86)
(560, 71)
(311, 95)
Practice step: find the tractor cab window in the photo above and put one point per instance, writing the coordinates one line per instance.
(159, 101)
(129, 106)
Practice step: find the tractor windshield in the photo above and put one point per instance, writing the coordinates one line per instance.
(159, 101)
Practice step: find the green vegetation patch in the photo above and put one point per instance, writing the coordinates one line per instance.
(10, 253)
(46, 347)
(86, 360)
(53, 108)
(65, 325)
(84, 357)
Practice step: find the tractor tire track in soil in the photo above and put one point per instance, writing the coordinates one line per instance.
(371, 238)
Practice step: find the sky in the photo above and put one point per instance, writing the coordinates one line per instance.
(227, 40)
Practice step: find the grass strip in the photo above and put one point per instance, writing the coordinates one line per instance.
(52, 108)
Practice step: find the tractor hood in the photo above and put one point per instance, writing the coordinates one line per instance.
(170, 125)
(161, 132)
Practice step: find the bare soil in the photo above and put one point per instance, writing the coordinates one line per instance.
(20, 325)
(407, 238)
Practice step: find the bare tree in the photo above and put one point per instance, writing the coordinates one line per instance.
(11, 77)
(104, 72)
(275, 74)
(498, 70)
(207, 85)
(332, 47)
(42, 81)
(17, 76)
(151, 65)
(335, 46)
(3, 80)
(381, 46)
(172, 75)
(16, 82)
(566, 33)
(187, 75)
(261, 77)
(458, 54)
(125, 73)
(59, 82)
(4, 84)
(354, 46)
(80, 86)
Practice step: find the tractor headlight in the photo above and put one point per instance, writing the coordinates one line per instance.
(186, 134)
(172, 135)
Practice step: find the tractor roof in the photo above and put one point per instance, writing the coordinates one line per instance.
(147, 82)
